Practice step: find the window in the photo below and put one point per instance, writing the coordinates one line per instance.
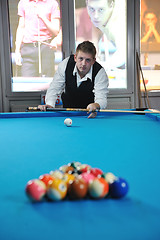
(150, 44)
(104, 23)
(36, 46)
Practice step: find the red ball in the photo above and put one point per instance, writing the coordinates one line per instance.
(96, 172)
(98, 188)
(77, 189)
(84, 168)
(36, 190)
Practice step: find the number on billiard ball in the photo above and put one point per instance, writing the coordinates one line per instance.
(57, 190)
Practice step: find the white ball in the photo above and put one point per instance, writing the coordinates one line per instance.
(68, 122)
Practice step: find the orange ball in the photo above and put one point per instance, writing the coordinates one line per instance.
(46, 178)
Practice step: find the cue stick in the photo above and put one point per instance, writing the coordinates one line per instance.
(86, 110)
(39, 50)
(138, 83)
(145, 89)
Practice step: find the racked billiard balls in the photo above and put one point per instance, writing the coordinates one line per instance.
(77, 189)
(35, 189)
(57, 190)
(98, 188)
(119, 188)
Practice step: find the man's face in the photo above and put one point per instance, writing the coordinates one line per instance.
(99, 12)
(84, 61)
(150, 19)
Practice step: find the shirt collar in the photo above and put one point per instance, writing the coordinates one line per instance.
(88, 75)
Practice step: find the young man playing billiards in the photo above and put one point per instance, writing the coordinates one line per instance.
(81, 81)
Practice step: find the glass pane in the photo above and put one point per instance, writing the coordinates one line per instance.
(36, 43)
(104, 23)
(150, 44)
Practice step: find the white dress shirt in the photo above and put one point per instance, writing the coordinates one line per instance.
(57, 86)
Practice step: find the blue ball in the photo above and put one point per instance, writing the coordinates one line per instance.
(119, 188)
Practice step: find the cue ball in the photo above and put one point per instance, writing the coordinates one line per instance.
(68, 122)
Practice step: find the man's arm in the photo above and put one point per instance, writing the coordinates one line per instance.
(56, 86)
(53, 25)
(100, 91)
(19, 40)
(101, 88)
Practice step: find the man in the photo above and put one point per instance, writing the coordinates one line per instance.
(81, 81)
(38, 24)
(109, 17)
(150, 29)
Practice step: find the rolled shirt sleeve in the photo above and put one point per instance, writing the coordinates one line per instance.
(57, 85)
(101, 88)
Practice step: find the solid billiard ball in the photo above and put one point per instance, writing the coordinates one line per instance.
(68, 122)
(98, 188)
(84, 168)
(57, 190)
(96, 172)
(77, 189)
(68, 178)
(35, 190)
(119, 188)
(46, 178)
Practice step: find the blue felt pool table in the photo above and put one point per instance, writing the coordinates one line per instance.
(125, 144)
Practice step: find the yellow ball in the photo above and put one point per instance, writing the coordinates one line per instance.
(68, 178)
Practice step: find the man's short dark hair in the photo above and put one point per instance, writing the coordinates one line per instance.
(87, 47)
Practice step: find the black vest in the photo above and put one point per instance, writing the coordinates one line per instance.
(78, 97)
